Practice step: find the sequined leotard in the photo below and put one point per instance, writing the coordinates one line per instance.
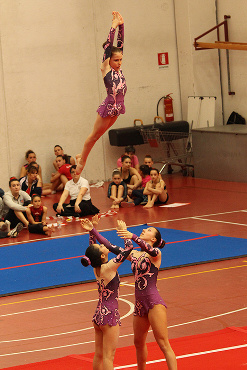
(114, 81)
(145, 273)
(107, 309)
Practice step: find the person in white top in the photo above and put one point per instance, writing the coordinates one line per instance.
(16, 202)
(80, 199)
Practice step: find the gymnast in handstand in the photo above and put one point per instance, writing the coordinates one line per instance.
(115, 84)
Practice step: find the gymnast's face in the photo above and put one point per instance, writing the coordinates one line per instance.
(60, 161)
(116, 61)
(148, 234)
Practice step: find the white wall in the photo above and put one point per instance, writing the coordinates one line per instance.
(51, 83)
(200, 70)
(51, 86)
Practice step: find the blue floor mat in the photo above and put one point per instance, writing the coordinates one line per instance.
(56, 262)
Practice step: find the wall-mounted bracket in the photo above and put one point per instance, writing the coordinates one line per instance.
(226, 44)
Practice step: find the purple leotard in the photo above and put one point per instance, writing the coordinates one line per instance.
(107, 308)
(114, 81)
(145, 273)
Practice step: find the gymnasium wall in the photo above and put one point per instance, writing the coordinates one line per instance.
(51, 85)
(204, 72)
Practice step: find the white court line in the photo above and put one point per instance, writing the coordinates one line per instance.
(223, 222)
(131, 310)
(190, 217)
(121, 336)
(186, 356)
(149, 223)
(59, 306)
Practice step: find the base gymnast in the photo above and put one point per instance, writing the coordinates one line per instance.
(106, 319)
(150, 309)
(115, 84)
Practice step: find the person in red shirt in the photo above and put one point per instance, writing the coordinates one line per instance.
(36, 215)
(61, 176)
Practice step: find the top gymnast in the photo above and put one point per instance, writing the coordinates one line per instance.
(116, 88)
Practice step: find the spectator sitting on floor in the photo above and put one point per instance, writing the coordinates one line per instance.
(130, 151)
(117, 190)
(5, 231)
(137, 194)
(16, 202)
(58, 150)
(155, 189)
(80, 200)
(130, 175)
(30, 157)
(36, 215)
(148, 160)
(32, 183)
(61, 176)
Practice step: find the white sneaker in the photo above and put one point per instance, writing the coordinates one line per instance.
(15, 232)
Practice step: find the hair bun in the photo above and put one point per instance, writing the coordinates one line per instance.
(162, 244)
(85, 261)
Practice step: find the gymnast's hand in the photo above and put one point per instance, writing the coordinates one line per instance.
(121, 225)
(119, 18)
(124, 234)
(86, 224)
(95, 220)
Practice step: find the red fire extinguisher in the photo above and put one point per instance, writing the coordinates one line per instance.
(168, 106)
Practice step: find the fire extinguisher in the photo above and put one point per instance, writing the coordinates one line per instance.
(168, 106)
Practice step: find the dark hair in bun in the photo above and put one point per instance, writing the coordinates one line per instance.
(159, 243)
(92, 256)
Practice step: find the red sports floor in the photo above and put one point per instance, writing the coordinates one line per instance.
(203, 300)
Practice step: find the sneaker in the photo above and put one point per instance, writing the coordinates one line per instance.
(127, 204)
(15, 232)
(5, 226)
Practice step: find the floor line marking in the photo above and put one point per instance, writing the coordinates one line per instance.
(89, 342)
(208, 318)
(149, 223)
(223, 222)
(130, 284)
(58, 306)
(186, 356)
(201, 272)
(131, 310)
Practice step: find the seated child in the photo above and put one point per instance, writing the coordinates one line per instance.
(130, 151)
(37, 217)
(155, 189)
(58, 150)
(62, 176)
(137, 194)
(117, 190)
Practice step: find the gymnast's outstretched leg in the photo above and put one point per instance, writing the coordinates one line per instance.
(102, 124)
